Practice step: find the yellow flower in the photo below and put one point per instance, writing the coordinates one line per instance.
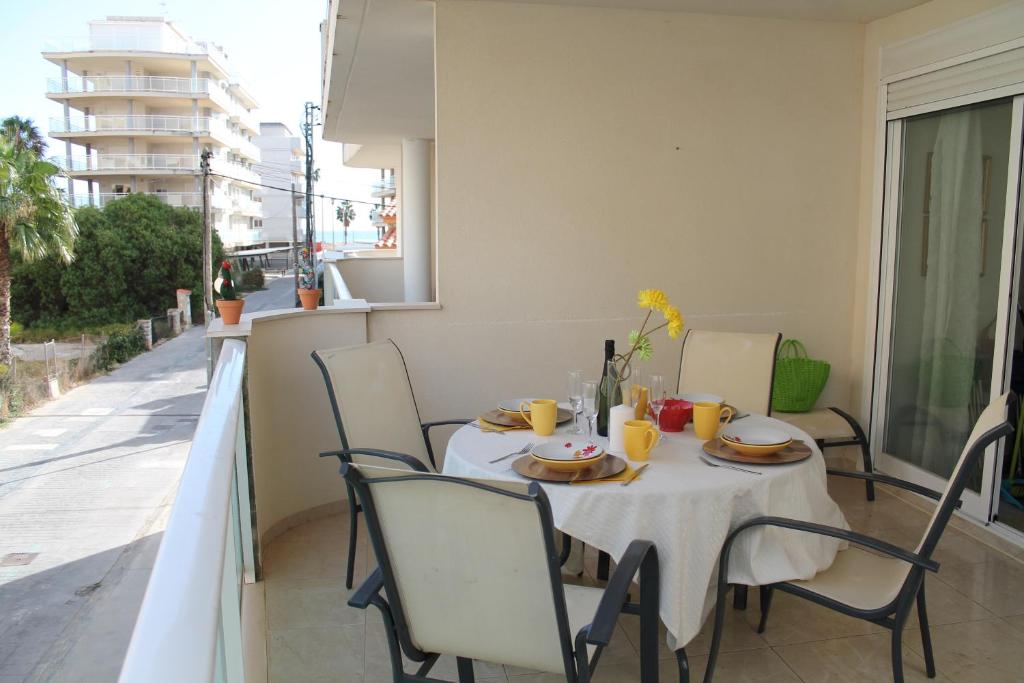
(654, 299)
(674, 319)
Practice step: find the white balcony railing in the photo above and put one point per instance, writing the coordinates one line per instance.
(384, 188)
(129, 163)
(234, 170)
(247, 206)
(174, 85)
(189, 627)
(132, 123)
(191, 200)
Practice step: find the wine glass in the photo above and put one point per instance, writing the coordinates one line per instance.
(657, 398)
(590, 405)
(575, 391)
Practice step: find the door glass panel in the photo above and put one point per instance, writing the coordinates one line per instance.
(948, 259)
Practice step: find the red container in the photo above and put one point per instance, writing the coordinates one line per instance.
(676, 414)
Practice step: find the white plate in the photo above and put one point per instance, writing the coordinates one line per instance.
(756, 435)
(568, 450)
(694, 398)
(511, 405)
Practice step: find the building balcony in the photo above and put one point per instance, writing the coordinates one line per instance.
(191, 200)
(235, 171)
(246, 119)
(385, 188)
(129, 164)
(135, 125)
(247, 206)
(80, 91)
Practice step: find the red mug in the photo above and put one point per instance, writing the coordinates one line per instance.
(675, 415)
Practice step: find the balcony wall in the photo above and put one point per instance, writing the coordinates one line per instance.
(715, 157)
(372, 276)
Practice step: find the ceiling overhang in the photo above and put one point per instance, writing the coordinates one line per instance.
(378, 71)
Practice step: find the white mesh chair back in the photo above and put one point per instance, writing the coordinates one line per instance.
(991, 425)
(474, 568)
(372, 399)
(737, 366)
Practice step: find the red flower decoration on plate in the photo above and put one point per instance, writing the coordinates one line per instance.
(568, 444)
(589, 449)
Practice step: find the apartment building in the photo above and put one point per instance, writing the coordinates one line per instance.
(281, 166)
(141, 100)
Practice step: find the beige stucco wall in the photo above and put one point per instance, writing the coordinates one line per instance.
(290, 416)
(877, 35)
(584, 153)
(374, 278)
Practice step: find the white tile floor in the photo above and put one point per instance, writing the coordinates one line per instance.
(976, 607)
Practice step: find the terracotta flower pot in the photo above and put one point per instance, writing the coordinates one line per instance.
(230, 311)
(310, 299)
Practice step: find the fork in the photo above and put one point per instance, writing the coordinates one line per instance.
(728, 467)
(522, 451)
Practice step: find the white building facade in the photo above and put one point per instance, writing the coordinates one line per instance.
(281, 167)
(141, 101)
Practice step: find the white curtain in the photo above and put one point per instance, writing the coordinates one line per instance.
(952, 290)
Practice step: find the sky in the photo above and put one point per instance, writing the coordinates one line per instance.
(273, 46)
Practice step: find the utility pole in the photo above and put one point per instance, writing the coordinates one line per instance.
(295, 239)
(307, 134)
(204, 164)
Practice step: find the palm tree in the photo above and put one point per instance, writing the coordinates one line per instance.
(23, 134)
(35, 221)
(346, 214)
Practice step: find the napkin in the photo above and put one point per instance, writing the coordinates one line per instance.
(620, 477)
(486, 426)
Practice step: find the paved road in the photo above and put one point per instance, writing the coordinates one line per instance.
(86, 483)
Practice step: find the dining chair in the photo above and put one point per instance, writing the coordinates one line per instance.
(739, 366)
(376, 415)
(833, 427)
(880, 586)
(478, 578)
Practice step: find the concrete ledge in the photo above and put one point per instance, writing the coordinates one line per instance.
(217, 328)
(402, 306)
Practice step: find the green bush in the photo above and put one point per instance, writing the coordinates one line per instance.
(16, 331)
(130, 257)
(253, 279)
(120, 346)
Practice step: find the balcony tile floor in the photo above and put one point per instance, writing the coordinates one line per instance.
(975, 605)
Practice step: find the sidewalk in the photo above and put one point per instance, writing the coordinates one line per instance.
(86, 484)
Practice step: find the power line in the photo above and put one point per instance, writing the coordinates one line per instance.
(289, 190)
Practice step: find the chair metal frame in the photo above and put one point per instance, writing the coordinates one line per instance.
(346, 452)
(640, 556)
(893, 615)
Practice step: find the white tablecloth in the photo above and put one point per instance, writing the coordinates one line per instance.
(687, 509)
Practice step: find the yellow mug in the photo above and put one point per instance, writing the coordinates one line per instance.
(542, 417)
(640, 437)
(707, 417)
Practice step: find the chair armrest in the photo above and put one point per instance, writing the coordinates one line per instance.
(364, 595)
(426, 426)
(844, 534)
(639, 556)
(345, 456)
(891, 481)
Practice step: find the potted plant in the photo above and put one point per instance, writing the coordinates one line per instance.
(228, 305)
(309, 295)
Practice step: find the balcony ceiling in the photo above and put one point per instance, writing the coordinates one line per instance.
(379, 75)
(379, 64)
(816, 10)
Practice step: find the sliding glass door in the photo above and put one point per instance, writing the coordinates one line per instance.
(949, 267)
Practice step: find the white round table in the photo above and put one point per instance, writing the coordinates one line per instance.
(687, 509)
